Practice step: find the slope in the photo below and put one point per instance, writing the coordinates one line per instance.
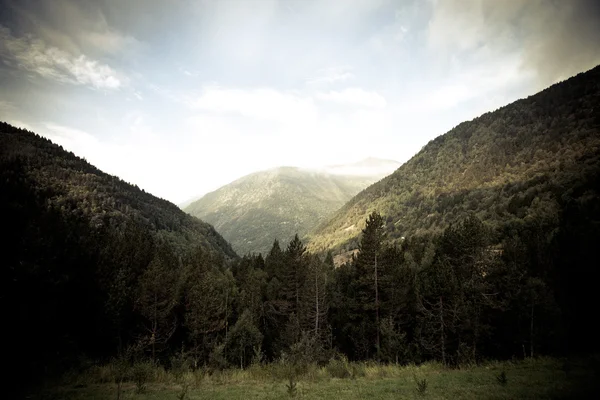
(71, 184)
(81, 251)
(254, 210)
(523, 161)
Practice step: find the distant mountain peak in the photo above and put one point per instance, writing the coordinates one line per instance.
(277, 203)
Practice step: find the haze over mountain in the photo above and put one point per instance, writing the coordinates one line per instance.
(256, 209)
(370, 167)
(528, 161)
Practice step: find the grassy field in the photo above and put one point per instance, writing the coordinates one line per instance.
(530, 379)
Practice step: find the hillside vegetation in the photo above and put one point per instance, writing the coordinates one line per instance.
(83, 255)
(253, 211)
(522, 162)
(71, 185)
(543, 378)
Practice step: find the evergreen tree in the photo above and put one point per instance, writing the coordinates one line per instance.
(276, 308)
(156, 300)
(456, 293)
(369, 269)
(329, 259)
(274, 261)
(314, 309)
(295, 274)
(209, 300)
(243, 340)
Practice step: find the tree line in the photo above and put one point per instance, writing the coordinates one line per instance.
(466, 295)
(94, 268)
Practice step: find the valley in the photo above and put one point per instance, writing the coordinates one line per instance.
(254, 210)
(299, 199)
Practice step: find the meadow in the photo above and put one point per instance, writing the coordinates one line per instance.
(541, 378)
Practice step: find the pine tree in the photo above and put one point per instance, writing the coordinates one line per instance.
(156, 299)
(295, 274)
(276, 308)
(209, 300)
(369, 271)
(456, 293)
(274, 261)
(329, 259)
(314, 309)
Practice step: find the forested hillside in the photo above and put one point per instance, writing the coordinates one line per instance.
(71, 185)
(82, 250)
(254, 210)
(485, 248)
(523, 162)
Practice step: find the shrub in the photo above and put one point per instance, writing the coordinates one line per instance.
(120, 368)
(358, 370)
(339, 368)
(142, 372)
(421, 385)
(291, 387)
(217, 359)
(502, 379)
(180, 364)
(186, 382)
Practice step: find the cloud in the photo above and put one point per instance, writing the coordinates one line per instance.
(189, 72)
(556, 39)
(261, 104)
(73, 26)
(303, 83)
(391, 37)
(566, 39)
(21, 124)
(33, 55)
(331, 75)
(109, 41)
(7, 107)
(356, 97)
(77, 141)
(132, 155)
(238, 30)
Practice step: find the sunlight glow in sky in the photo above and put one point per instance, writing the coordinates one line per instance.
(184, 96)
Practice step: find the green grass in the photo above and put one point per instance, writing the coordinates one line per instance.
(531, 379)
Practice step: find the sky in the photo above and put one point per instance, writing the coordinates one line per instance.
(181, 97)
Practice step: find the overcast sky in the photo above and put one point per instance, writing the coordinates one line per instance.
(183, 96)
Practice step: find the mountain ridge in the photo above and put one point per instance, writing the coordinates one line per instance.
(275, 204)
(103, 198)
(531, 148)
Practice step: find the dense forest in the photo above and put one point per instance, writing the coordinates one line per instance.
(524, 162)
(493, 256)
(78, 244)
(465, 295)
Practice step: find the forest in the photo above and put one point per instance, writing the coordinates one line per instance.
(82, 295)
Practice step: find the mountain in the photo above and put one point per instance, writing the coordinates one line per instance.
(82, 251)
(70, 183)
(256, 209)
(529, 160)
